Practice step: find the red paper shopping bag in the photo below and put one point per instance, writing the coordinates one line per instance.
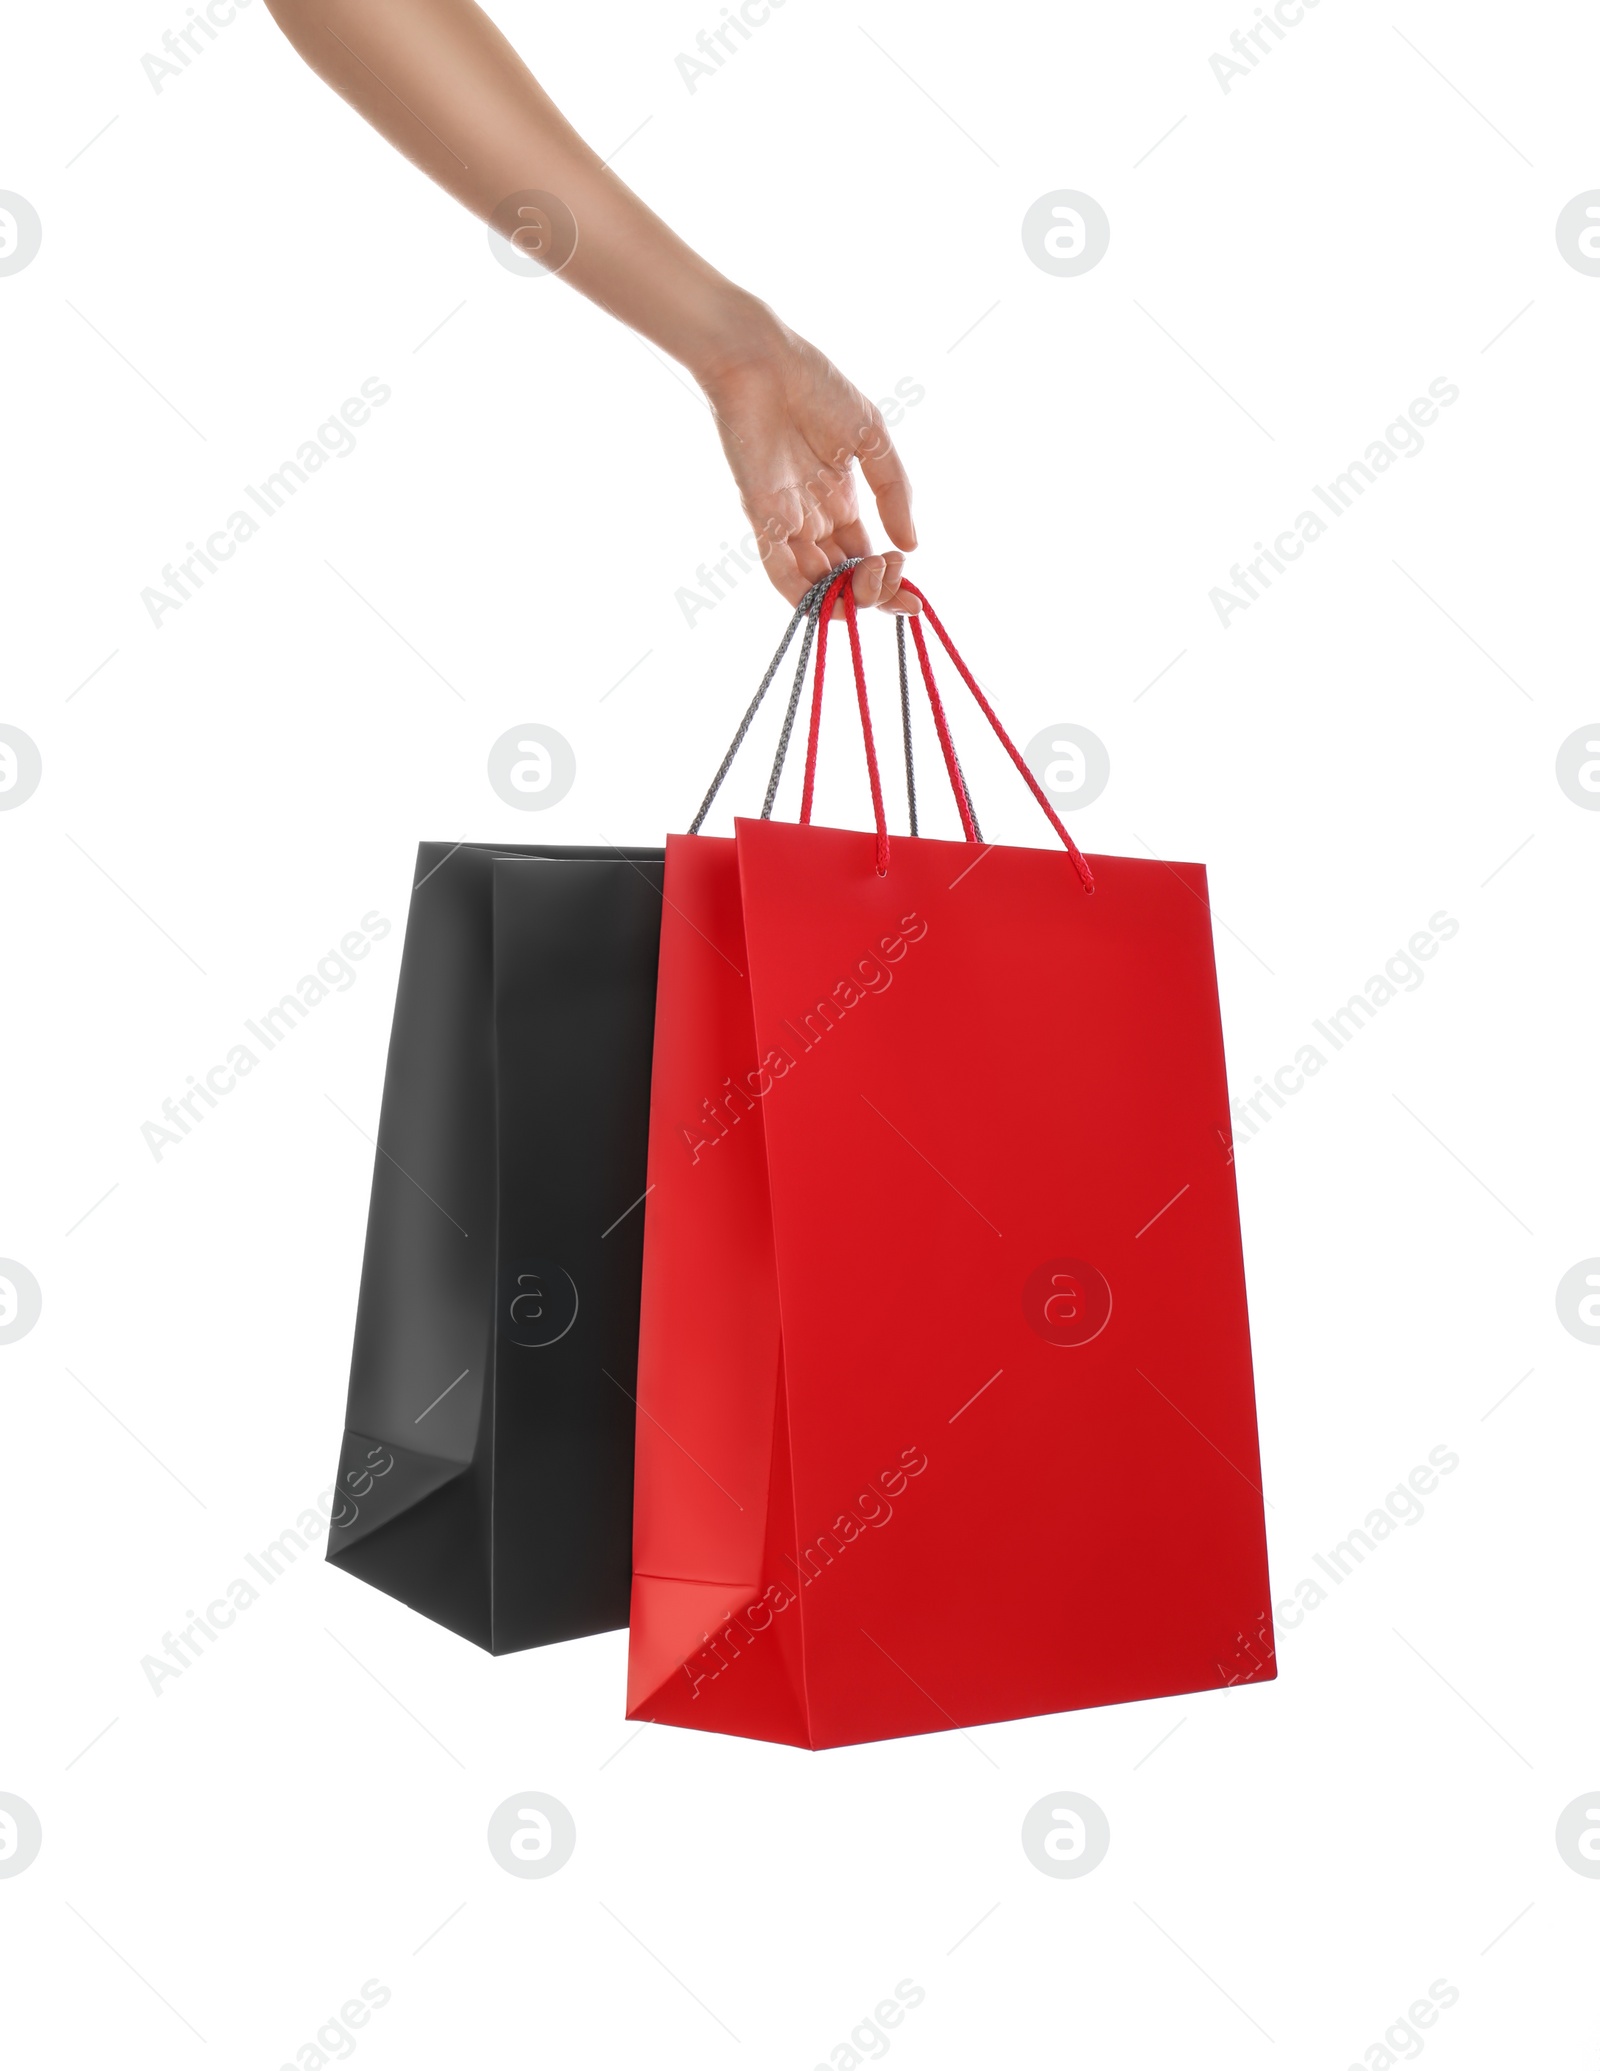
(945, 1400)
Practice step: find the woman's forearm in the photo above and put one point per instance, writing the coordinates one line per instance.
(438, 79)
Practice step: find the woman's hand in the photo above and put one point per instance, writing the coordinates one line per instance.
(793, 428)
(441, 82)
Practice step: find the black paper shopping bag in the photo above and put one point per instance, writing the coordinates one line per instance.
(486, 1477)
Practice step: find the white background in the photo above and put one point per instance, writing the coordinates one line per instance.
(1367, 745)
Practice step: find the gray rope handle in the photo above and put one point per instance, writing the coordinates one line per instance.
(813, 599)
(905, 721)
(905, 716)
(809, 609)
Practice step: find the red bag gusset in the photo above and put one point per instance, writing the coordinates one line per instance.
(946, 1411)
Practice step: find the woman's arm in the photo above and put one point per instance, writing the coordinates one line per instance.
(438, 79)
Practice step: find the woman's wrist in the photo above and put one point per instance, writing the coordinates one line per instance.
(739, 333)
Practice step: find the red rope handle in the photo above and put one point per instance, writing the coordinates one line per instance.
(866, 729)
(942, 727)
(844, 586)
(1082, 867)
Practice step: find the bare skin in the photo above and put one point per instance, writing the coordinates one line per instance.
(439, 80)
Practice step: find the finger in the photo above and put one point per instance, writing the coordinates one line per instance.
(890, 485)
(784, 574)
(832, 550)
(892, 597)
(850, 541)
(833, 553)
(771, 531)
(835, 496)
(867, 582)
(878, 579)
(811, 559)
(852, 538)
